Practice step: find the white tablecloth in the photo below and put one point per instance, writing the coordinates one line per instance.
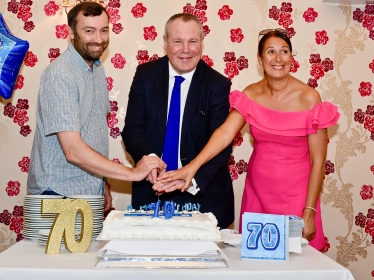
(27, 260)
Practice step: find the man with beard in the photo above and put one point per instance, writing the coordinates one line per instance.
(70, 149)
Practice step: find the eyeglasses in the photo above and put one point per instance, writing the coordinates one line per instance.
(266, 31)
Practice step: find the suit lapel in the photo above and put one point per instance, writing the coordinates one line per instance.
(160, 92)
(192, 99)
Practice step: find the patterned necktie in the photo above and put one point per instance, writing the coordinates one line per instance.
(170, 152)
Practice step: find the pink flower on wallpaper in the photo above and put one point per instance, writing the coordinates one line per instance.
(321, 37)
(111, 119)
(366, 192)
(20, 117)
(153, 57)
(360, 220)
(358, 15)
(22, 104)
(369, 9)
(16, 224)
(372, 137)
(370, 213)
(25, 130)
(118, 61)
(317, 71)
(207, 60)
(109, 83)
(368, 22)
(231, 161)
(18, 211)
(206, 30)
(13, 188)
(242, 63)
(236, 35)
(371, 34)
(5, 217)
(114, 3)
(20, 82)
(371, 66)
(114, 132)
(368, 124)
(188, 9)
(9, 110)
(233, 172)
(365, 89)
(116, 160)
(315, 58)
(13, 6)
(142, 55)
(201, 5)
(24, 13)
(53, 53)
(370, 110)
(238, 140)
(274, 13)
(24, 164)
(372, 169)
(294, 65)
(369, 228)
(138, 10)
(51, 8)
(113, 15)
(286, 7)
(285, 19)
(225, 12)
(359, 116)
(312, 83)
(117, 28)
(327, 65)
(62, 31)
(310, 15)
(30, 59)
(329, 167)
(241, 166)
(326, 248)
(150, 33)
(229, 56)
(19, 237)
(290, 32)
(200, 15)
(29, 26)
(231, 69)
(113, 106)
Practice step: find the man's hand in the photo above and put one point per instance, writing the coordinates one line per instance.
(107, 198)
(148, 166)
(171, 186)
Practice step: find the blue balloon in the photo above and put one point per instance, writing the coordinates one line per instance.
(12, 53)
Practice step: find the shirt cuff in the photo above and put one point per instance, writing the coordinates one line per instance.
(193, 189)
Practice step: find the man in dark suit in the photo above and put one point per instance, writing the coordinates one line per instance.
(204, 106)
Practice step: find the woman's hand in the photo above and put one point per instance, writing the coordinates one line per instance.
(185, 173)
(309, 229)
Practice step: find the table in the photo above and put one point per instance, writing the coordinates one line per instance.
(27, 260)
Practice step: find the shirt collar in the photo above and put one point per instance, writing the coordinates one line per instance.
(186, 76)
(79, 58)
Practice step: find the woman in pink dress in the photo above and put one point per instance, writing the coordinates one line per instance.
(288, 122)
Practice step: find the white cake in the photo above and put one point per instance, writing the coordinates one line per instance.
(198, 226)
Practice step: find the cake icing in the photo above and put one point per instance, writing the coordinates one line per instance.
(195, 226)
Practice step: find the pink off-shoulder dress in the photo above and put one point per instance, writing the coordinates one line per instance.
(279, 167)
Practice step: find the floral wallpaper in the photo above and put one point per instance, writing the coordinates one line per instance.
(333, 46)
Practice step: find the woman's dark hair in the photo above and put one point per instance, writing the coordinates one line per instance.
(87, 8)
(273, 33)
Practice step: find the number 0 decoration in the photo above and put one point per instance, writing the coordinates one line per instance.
(64, 225)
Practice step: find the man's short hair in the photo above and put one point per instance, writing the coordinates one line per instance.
(87, 8)
(185, 17)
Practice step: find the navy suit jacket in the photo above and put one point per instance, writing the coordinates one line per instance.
(207, 107)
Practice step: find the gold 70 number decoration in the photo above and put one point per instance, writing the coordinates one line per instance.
(64, 225)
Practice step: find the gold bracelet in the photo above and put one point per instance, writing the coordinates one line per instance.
(309, 207)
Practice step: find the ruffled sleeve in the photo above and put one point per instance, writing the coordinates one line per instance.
(299, 123)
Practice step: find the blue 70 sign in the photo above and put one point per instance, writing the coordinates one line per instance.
(264, 237)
